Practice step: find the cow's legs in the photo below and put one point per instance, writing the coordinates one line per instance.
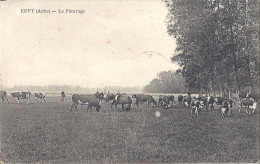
(72, 105)
(18, 101)
(197, 111)
(113, 102)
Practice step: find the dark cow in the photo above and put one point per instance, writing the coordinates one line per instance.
(22, 95)
(187, 100)
(180, 99)
(149, 99)
(99, 95)
(137, 98)
(110, 96)
(39, 96)
(219, 100)
(226, 108)
(124, 100)
(196, 105)
(89, 100)
(3, 96)
(166, 101)
(250, 103)
(62, 96)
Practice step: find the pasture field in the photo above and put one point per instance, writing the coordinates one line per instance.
(49, 132)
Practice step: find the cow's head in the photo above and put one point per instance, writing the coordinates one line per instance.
(134, 96)
(127, 106)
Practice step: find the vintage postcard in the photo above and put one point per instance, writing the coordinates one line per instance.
(120, 81)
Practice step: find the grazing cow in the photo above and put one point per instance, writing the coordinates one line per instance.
(180, 99)
(3, 96)
(38, 96)
(124, 100)
(110, 96)
(99, 95)
(187, 100)
(196, 105)
(149, 99)
(250, 103)
(22, 95)
(226, 108)
(62, 96)
(137, 98)
(89, 100)
(207, 101)
(166, 101)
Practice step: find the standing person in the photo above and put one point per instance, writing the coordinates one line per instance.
(62, 96)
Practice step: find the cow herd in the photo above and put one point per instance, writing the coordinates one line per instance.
(196, 104)
(38, 96)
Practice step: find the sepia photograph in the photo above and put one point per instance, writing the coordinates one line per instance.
(129, 81)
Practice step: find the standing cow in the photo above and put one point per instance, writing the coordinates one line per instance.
(250, 103)
(3, 96)
(39, 96)
(226, 107)
(22, 95)
(187, 100)
(196, 105)
(124, 100)
(89, 100)
(137, 98)
(180, 99)
(149, 99)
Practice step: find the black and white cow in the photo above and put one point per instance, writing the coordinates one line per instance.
(226, 107)
(22, 95)
(39, 96)
(250, 103)
(196, 105)
(124, 100)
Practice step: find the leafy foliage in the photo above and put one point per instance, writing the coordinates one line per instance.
(217, 43)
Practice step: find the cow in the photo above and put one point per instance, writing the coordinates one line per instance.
(180, 99)
(208, 101)
(3, 96)
(62, 96)
(124, 100)
(38, 96)
(219, 100)
(137, 98)
(248, 95)
(110, 96)
(89, 100)
(166, 101)
(22, 95)
(196, 105)
(149, 99)
(187, 100)
(250, 103)
(226, 108)
(99, 95)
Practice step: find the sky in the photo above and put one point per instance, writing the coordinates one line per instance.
(114, 43)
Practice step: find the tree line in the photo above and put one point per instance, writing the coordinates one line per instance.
(166, 82)
(217, 44)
